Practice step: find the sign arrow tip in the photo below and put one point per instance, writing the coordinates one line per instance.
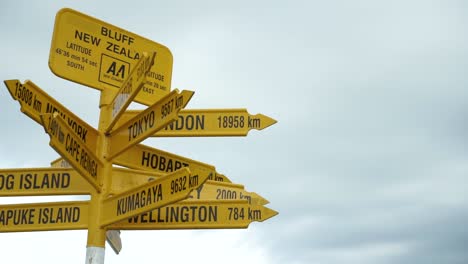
(187, 96)
(265, 122)
(269, 213)
(259, 199)
(11, 84)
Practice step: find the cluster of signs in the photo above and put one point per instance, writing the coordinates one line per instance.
(139, 187)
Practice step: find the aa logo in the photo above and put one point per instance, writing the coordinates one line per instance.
(113, 71)
(117, 72)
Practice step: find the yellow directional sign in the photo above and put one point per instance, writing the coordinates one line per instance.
(210, 123)
(124, 179)
(141, 157)
(213, 190)
(130, 87)
(154, 194)
(198, 215)
(97, 54)
(69, 146)
(147, 122)
(42, 181)
(34, 102)
(44, 216)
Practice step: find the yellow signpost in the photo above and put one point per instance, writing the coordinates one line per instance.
(99, 55)
(210, 123)
(42, 181)
(158, 189)
(34, 102)
(148, 122)
(199, 215)
(44, 216)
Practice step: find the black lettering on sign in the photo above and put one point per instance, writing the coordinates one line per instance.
(72, 147)
(23, 94)
(81, 156)
(247, 197)
(118, 36)
(89, 164)
(46, 181)
(79, 48)
(223, 194)
(139, 200)
(188, 122)
(254, 215)
(79, 130)
(231, 121)
(88, 38)
(254, 122)
(120, 72)
(59, 215)
(17, 216)
(178, 214)
(156, 76)
(75, 65)
(122, 51)
(141, 125)
(7, 182)
(161, 163)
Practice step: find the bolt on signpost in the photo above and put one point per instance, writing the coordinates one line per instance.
(153, 189)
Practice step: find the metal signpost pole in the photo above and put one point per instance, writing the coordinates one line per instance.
(95, 249)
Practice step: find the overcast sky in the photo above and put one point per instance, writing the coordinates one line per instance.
(368, 160)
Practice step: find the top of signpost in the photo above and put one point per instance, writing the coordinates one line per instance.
(97, 54)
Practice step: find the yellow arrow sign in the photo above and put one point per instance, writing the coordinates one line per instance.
(213, 190)
(149, 121)
(42, 181)
(43, 216)
(69, 146)
(210, 123)
(124, 179)
(99, 55)
(130, 88)
(142, 157)
(160, 192)
(34, 102)
(198, 215)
